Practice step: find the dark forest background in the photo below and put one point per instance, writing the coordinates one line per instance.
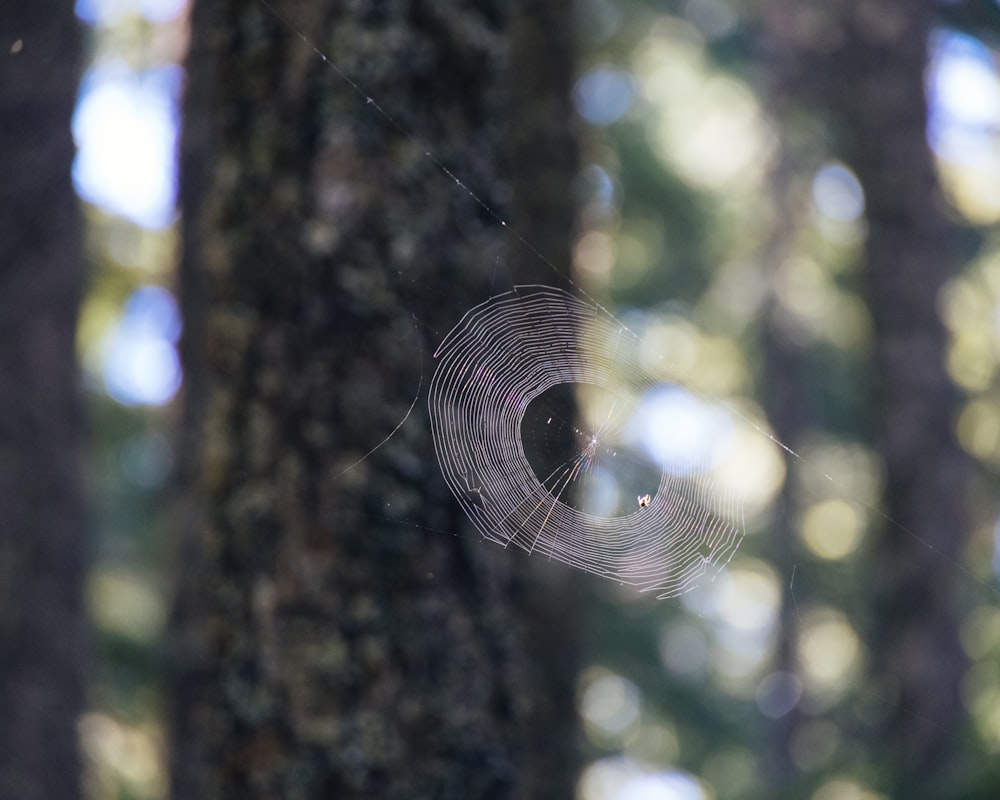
(212, 586)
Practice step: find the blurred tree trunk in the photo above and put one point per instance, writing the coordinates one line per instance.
(786, 401)
(863, 65)
(41, 534)
(333, 636)
(915, 643)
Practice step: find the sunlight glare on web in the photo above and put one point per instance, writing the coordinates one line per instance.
(679, 430)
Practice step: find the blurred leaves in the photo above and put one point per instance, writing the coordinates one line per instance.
(687, 242)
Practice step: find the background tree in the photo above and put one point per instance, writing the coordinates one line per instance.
(865, 70)
(336, 631)
(41, 533)
(910, 255)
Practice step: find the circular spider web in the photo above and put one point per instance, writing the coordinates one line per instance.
(503, 355)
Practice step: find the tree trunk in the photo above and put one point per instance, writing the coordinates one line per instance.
(41, 535)
(338, 631)
(863, 64)
(785, 397)
(915, 643)
(915, 639)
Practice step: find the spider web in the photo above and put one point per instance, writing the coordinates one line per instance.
(700, 510)
(509, 351)
(501, 357)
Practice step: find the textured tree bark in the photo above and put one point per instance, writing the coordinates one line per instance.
(41, 533)
(543, 163)
(544, 160)
(332, 635)
(863, 63)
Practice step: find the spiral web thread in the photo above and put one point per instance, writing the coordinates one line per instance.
(501, 356)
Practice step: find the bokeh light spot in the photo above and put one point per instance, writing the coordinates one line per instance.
(837, 193)
(125, 127)
(604, 95)
(831, 529)
(844, 789)
(978, 429)
(618, 778)
(141, 366)
(829, 653)
(678, 430)
(609, 703)
(778, 693)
